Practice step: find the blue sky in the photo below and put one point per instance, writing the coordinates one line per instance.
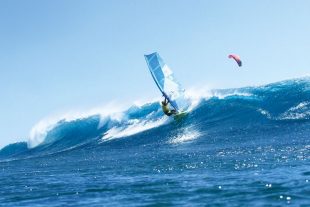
(63, 55)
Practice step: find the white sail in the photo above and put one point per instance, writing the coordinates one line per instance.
(166, 82)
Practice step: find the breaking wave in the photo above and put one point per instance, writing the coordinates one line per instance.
(211, 112)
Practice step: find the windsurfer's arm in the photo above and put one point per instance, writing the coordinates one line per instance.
(166, 101)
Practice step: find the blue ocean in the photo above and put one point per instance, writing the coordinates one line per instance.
(235, 147)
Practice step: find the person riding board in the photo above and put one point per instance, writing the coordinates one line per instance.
(166, 109)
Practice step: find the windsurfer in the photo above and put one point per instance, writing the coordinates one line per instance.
(166, 109)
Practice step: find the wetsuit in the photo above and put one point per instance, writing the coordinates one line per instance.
(165, 108)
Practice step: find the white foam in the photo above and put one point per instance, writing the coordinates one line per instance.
(185, 135)
(39, 132)
(302, 105)
(235, 93)
(265, 113)
(134, 127)
(196, 94)
(299, 111)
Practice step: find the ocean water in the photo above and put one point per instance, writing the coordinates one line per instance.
(236, 147)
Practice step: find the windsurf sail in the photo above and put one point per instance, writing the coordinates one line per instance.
(166, 82)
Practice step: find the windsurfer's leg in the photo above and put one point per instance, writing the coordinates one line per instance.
(169, 113)
(173, 111)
